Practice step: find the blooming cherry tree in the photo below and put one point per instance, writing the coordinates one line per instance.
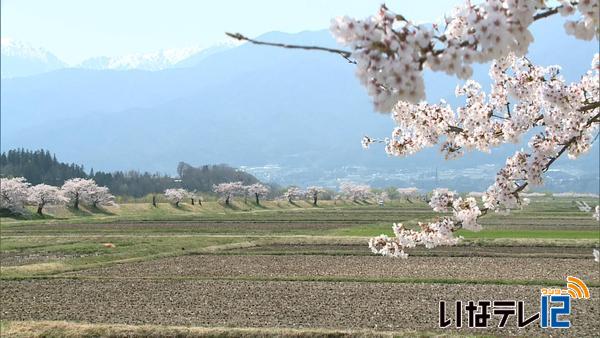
(43, 194)
(96, 196)
(408, 193)
(313, 192)
(293, 193)
(258, 190)
(354, 191)
(75, 189)
(176, 196)
(13, 194)
(228, 190)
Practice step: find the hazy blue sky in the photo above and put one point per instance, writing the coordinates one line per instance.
(76, 29)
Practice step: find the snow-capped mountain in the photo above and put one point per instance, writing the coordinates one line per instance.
(152, 61)
(159, 60)
(22, 59)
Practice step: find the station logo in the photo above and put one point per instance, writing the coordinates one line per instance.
(555, 307)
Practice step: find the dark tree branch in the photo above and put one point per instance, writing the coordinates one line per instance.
(547, 13)
(347, 54)
(344, 53)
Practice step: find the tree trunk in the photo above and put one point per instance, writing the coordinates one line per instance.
(39, 209)
(200, 202)
(192, 201)
(227, 200)
(257, 201)
(315, 199)
(154, 200)
(76, 203)
(177, 204)
(290, 199)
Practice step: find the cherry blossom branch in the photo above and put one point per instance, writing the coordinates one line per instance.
(574, 138)
(343, 53)
(347, 54)
(562, 150)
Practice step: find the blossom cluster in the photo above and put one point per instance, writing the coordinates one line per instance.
(293, 193)
(586, 27)
(313, 192)
(176, 195)
(391, 51)
(464, 210)
(355, 192)
(258, 189)
(229, 189)
(566, 115)
(442, 199)
(13, 194)
(16, 193)
(408, 193)
(438, 233)
(78, 190)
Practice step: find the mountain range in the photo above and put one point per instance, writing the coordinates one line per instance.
(293, 117)
(21, 59)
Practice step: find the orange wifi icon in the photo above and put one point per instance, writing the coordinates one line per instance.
(577, 288)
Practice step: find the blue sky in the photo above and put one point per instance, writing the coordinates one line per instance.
(76, 29)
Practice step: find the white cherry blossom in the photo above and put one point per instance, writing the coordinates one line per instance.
(258, 190)
(43, 194)
(176, 196)
(228, 190)
(355, 192)
(313, 192)
(293, 193)
(391, 51)
(75, 190)
(13, 194)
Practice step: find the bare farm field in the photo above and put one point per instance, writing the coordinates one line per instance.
(301, 272)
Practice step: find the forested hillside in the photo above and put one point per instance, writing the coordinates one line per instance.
(40, 166)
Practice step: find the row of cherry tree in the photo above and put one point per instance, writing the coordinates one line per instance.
(348, 190)
(17, 193)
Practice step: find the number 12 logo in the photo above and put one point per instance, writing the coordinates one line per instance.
(550, 313)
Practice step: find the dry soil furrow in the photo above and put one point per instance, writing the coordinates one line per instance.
(272, 304)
